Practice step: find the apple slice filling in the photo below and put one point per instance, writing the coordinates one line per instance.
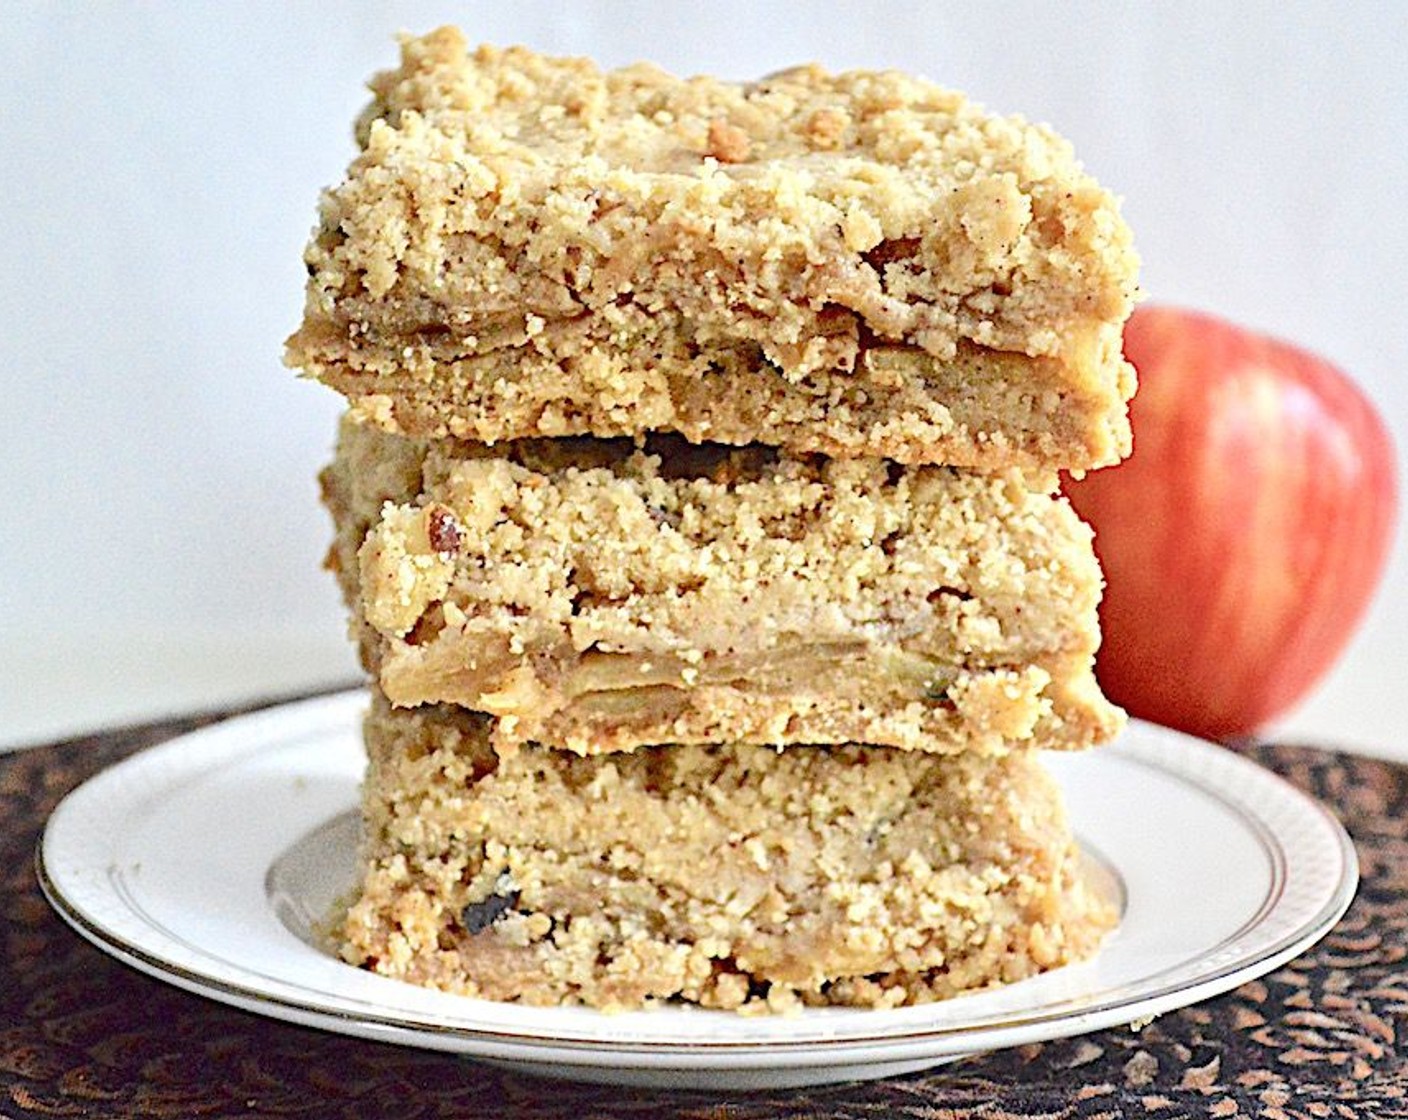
(643, 686)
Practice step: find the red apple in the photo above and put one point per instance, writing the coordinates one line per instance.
(1243, 539)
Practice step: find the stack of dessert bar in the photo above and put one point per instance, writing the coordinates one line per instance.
(696, 506)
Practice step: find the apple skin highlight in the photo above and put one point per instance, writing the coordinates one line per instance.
(1244, 537)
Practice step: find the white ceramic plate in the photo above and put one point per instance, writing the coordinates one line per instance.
(208, 860)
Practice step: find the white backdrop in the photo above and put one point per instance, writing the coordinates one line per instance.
(160, 165)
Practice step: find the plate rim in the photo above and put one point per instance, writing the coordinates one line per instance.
(501, 1041)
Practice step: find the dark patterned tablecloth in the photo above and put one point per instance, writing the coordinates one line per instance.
(84, 1036)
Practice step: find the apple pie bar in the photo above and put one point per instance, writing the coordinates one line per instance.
(723, 875)
(858, 264)
(597, 595)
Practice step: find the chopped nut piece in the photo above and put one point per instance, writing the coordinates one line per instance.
(826, 128)
(442, 530)
(479, 916)
(727, 143)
